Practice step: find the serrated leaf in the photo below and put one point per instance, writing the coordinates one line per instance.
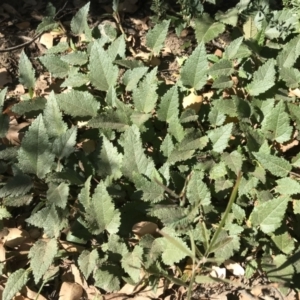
(26, 72)
(132, 263)
(53, 117)
(230, 17)
(63, 145)
(269, 215)
(75, 80)
(287, 186)
(167, 146)
(24, 107)
(109, 161)
(263, 78)
(152, 192)
(278, 123)
(55, 65)
(103, 73)
(41, 256)
(287, 57)
(175, 128)
(231, 51)
(206, 30)
(218, 171)
(134, 159)
(215, 117)
(49, 219)
(18, 185)
(249, 28)
(4, 213)
(76, 103)
(87, 262)
(47, 24)
(194, 72)
(291, 76)
(117, 47)
(169, 105)
(59, 48)
(14, 283)
(278, 166)
(156, 36)
(101, 214)
(227, 246)
(75, 58)
(220, 137)
(106, 280)
(197, 191)
(247, 185)
(79, 21)
(34, 154)
(145, 96)
(57, 194)
(132, 77)
(222, 82)
(234, 161)
(284, 242)
(226, 107)
(223, 67)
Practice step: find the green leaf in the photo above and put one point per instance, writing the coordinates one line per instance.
(2, 97)
(24, 107)
(194, 72)
(287, 57)
(18, 185)
(14, 283)
(227, 246)
(227, 107)
(47, 24)
(132, 77)
(101, 214)
(76, 103)
(287, 186)
(117, 47)
(233, 160)
(4, 213)
(26, 71)
(169, 106)
(64, 145)
(53, 117)
(103, 73)
(79, 21)
(269, 215)
(106, 280)
(75, 58)
(134, 159)
(34, 154)
(156, 36)
(222, 82)
(175, 128)
(220, 137)
(291, 76)
(230, 17)
(236, 49)
(206, 30)
(278, 123)
(197, 191)
(216, 118)
(59, 48)
(49, 219)
(109, 161)
(84, 196)
(58, 194)
(87, 262)
(167, 146)
(55, 65)
(152, 192)
(284, 242)
(145, 96)
(218, 171)
(247, 185)
(278, 166)
(4, 125)
(132, 263)
(41, 256)
(223, 67)
(263, 78)
(75, 80)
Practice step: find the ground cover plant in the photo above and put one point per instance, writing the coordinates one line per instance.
(132, 179)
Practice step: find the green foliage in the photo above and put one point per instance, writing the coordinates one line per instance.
(117, 148)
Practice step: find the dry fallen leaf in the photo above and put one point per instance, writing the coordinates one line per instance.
(15, 237)
(31, 294)
(70, 291)
(47, 40)
(234, 268)
(142, 228)
(218, 272)
(192, 101)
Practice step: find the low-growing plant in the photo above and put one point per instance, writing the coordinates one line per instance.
(116, 147)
